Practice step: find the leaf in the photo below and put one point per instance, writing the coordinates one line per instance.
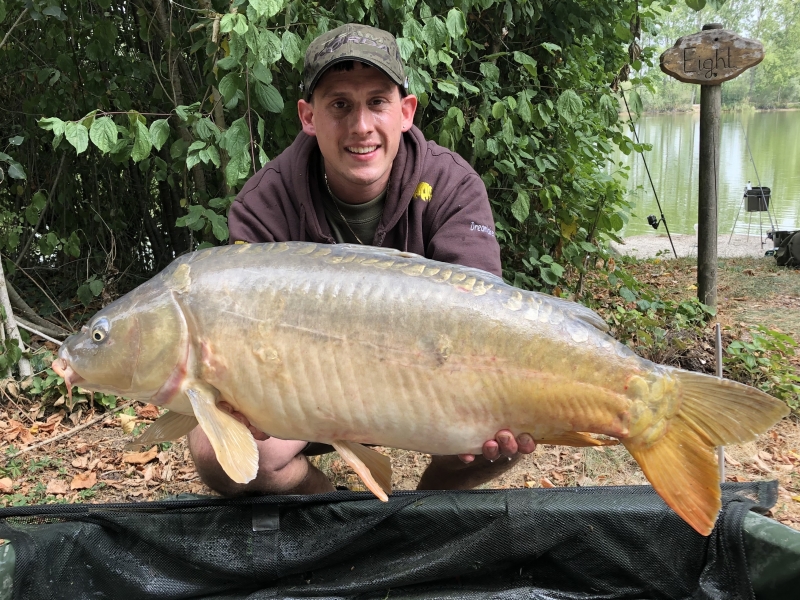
(39, 200)
(140, 458)
(498, 110)
(447, 87)
(237, 137)
(229, 85)
(548, 276)
(104, 134)
(96, 286)
(269, 97)
(85, 295)
(551, 48)
(623, 32)
(406, 48)
(267, 8)
(490, 71)
(56, 486)
(456, 23)
(569, 105)
(141, 143)
(636, 102)
(83, 481)
(16, 140)
(238, 166)
(159, 133)
(54, 11)
(521, 207)
(526, 61)
(609, 110)
(434, 33)
(219, 225)
(696, 4)
(290, 44)
(16, 171)
(262, 73)
(77, 135)
(269, 48)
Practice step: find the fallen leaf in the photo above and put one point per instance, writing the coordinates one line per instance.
(140, 458)
(764, 455)
(732, 461)
(148, 411)
(81, 448)
(584, 481)
(796, 498)
(6, 485)
(80, 463)
(546, 483)
(128, 422)
(57, 486)
(83, 481)
(530, 484)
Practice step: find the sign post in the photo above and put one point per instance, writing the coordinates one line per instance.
(709, 58)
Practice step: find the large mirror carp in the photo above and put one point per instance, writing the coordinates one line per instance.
(351, 345)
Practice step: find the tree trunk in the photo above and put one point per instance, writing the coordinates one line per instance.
(11, 326)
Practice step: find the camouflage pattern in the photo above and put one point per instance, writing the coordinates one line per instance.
(353, 41)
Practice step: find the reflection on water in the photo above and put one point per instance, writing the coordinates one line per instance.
(774, 139)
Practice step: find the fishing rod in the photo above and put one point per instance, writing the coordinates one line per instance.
(651, 219)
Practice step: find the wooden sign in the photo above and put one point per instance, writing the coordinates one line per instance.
(711, 57)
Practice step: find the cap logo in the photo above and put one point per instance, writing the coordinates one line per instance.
(340, 40)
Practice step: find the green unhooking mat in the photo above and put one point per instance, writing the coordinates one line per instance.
(563, 543)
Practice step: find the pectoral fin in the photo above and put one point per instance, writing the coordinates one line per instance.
(168, 427)
(572, 438)
(233, 443)
(374, 468)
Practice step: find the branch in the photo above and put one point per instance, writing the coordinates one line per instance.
(8, 33)
(24, 364)
(29, 327)
(23, 310)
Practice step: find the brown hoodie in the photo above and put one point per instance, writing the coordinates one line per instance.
(436, 205)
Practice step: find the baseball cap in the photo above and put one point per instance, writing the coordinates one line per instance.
(369, 45)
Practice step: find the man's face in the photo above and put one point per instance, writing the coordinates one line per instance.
(357, 117)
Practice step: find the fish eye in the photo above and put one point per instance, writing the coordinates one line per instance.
(100, 330)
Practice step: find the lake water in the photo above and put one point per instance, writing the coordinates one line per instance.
(774, 139)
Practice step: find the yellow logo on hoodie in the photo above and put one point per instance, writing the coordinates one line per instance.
(424, 192)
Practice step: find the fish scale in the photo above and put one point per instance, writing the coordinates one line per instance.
(351, 345)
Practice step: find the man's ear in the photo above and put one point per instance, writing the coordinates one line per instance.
(408, 106)
(305, 110)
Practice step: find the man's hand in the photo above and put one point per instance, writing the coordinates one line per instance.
(257, 433)
(503, 444)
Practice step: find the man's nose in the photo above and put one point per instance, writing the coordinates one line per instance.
(361, 120)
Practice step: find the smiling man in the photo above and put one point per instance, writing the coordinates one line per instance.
(361, 172)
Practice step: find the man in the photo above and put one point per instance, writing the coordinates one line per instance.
(360, 172)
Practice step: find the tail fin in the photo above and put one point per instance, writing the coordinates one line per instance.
(681, 465)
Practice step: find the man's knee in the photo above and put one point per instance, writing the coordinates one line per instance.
(281, 467)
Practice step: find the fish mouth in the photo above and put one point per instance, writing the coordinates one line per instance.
(65, 370)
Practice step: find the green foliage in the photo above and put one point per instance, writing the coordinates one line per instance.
(161, 112)
(644, 321)
(764, 363)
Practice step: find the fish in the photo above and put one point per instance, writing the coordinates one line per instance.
(354, 346)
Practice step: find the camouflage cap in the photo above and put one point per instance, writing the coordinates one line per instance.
(353, 41)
